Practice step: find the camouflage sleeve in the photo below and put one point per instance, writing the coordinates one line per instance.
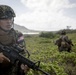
(21, 42)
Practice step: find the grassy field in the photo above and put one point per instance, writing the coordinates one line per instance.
(52, 61)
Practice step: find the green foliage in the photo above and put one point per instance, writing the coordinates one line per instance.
(47, 35)
(67, 31)
(52, 61)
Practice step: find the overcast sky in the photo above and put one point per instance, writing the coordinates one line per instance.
(48, 15)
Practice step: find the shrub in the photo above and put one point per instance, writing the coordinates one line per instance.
(47, 35)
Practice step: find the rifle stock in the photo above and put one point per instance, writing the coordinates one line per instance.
(13, 54)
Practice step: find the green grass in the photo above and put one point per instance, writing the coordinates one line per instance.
(52, 61)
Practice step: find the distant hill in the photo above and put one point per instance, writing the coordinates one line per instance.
(24, 29)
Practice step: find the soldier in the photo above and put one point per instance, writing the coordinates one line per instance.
(8, 36)
(66, 43)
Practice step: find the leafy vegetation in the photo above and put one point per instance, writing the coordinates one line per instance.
(47, 35)
(52, 61)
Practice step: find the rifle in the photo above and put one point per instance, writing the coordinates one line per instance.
(13, 53)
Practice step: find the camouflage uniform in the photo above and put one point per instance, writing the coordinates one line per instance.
(66, 43)
(13, 37)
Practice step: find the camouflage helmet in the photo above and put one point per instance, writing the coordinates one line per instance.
(63, 32)
(6, 12)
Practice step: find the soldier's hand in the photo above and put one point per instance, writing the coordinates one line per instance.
(3, 58)
(25, 68)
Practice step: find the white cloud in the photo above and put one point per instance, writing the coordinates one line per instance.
(46, 14)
